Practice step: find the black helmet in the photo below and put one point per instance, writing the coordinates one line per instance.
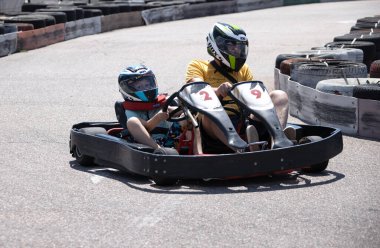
(228, 44)
(138, 83)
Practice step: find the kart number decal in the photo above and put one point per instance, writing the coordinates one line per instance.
(207, 96)
(256, 93)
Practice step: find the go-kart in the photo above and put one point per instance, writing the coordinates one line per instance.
(100, 143)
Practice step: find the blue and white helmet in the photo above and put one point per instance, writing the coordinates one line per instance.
(138, 83)
(228, 44)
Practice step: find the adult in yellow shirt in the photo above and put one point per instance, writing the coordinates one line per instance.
(228, 45)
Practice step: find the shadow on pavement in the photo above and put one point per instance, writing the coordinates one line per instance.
(294, 180)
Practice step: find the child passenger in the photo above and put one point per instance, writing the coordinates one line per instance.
(146, 122)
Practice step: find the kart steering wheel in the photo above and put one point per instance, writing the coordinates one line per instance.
(172, 115)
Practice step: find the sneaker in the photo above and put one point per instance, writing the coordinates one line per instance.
(290, 133)
(252, 136)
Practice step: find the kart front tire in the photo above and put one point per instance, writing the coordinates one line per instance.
(165, 181)
(315, 168)
(82, 159)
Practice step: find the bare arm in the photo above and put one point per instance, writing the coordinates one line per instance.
(154, 121)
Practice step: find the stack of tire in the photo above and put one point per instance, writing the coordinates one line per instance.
(340, 67)
(6, 28)
(34, 16)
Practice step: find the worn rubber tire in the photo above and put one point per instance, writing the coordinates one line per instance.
(70, 13)
(310, 74)
(375, 38)
(91, 13)
(10, 28)
(82, 159)
(37, 22)
(353, 54)
(374, 71)
(282, 57)
(316, 168)
(79, 156)
(60, 17)
(368, 48)
(371, 91)
(31, 7)
(107, 9)
(49, 20)
(24, 26)
(165, 181)
(364, 31)
(286, 66)
(339, 86)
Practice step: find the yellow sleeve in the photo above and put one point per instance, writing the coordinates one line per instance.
(194, 70)
(247, 74)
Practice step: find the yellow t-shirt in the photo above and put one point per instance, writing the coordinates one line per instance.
(204, 70)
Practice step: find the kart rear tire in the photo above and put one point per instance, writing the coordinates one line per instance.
(165, 181)
(82, 159)
(315, 168)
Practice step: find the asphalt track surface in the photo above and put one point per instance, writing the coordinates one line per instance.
(48, 200)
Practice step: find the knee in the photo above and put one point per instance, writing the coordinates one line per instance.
(133, 122)
(279, 98)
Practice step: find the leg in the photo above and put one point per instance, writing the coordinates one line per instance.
(139, 132)
(197, 142)
(212, 130)
(281, 104)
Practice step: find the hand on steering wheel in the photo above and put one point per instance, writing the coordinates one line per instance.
(174, 114)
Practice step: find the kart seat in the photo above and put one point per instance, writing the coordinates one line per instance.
(120, 114)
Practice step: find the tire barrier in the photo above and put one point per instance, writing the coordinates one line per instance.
(70, 13)
(163, 14)
(8, 43)
(368, 91)
(91, 13)
(354, 116)
(108, 11)
(82, 27)
(355, 87)
(364, 31)
(368, 48)
(60, 17)
(335, 54)
(209, 9)
(41, 37)
(375, 38)
(31, 7)
(36, 21)
(247, 5)
(121, 20)
(353, 54)
(374, 71)
(9, 28)
(282, 57)
(337, 93)
(288, 65)
(309, 74)
(24, 26)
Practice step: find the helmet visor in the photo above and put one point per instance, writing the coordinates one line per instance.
(139, 84)
(238, 49)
